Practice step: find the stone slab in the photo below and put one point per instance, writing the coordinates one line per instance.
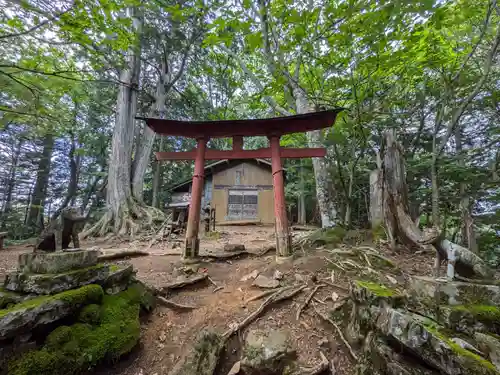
(57, 262)
(443, 291)
(55, 283)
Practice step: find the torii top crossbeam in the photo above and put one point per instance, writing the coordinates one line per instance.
(273, 128)
(244, 128)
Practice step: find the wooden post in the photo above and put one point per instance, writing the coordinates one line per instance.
(192, 243)
(283, 242)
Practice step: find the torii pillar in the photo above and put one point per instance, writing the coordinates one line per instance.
(273, 128)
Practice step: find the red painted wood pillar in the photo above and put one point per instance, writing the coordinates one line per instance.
(237, 143)
(192, 243)
(283, 242)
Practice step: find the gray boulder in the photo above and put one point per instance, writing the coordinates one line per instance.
(491, 345)
(51, 284)
(266, 352)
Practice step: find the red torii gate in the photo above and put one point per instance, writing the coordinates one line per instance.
(273, 128)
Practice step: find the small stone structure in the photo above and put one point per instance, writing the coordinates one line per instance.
(62, 312)
(435, 326)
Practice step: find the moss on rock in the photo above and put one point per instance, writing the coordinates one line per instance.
(81, 346)
(90, 314)
(377, 289)
(329, 236)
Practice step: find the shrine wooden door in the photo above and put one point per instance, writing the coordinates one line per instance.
(242, 204)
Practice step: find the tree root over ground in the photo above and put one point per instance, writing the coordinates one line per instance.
(128, 220)
(168, 303)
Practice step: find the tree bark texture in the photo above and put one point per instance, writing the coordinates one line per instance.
(157, 178)
(301, 207)
(376, 198)
(35, 215)
(468, 235)
(466, 262)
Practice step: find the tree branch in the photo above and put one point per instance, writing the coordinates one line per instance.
(274, 105)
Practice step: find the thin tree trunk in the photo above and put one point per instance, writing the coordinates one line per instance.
(11, 182)
(468, 236)
(35, 215)
(302, 198)
(157, 178)
(73, 181)
(376, 198)
(143, 154)
(324, 185)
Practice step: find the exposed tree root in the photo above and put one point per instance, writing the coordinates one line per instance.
(339, 331)
(260, 295)
(127, 220)
(168, 303)
(306, 302)
(122, 254)
(182, 283)
(280, 295)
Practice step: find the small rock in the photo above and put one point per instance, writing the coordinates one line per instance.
(250, 276)
(278, 275)
(235, 369)
(391, 279)
(299, 277)
(265, 282)
(266, 352)
(232, 247)
(323, 342)
(163, 336)
(335, 297)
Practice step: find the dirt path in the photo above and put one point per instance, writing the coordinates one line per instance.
(169, 335)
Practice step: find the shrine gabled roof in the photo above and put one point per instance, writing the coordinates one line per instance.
(246, 128)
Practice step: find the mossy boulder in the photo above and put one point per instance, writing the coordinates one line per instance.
(428, 341)
(470, 318)
(25, 316)
(119, 278)
(90, 314)
(56, 283)
(371, 293)
(74, 349)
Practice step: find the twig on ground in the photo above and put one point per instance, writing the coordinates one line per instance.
(171, 304)
(336, 286)
(334, 264)
(264, 294)
(280, 295)
(339, 331)
(306, 302)
(217, 287)
(316, 370)
(319, 301)
(366, 259)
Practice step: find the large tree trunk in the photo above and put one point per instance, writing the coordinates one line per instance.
(405, 229)
(35, 215)
(125, 215)
(324, 184)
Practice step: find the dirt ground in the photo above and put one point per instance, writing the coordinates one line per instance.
(168, 335)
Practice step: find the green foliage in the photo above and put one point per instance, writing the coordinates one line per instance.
(72, 349)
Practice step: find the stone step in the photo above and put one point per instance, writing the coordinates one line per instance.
(57, 262)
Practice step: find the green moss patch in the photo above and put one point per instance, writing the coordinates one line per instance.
(377, 289)
(470, 360)
(483, 313)
(75, 297)
(90, 314)
(73, 349)
(330, 236)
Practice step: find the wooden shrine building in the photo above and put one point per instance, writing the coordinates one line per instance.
(240, 191)
(273, 128)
